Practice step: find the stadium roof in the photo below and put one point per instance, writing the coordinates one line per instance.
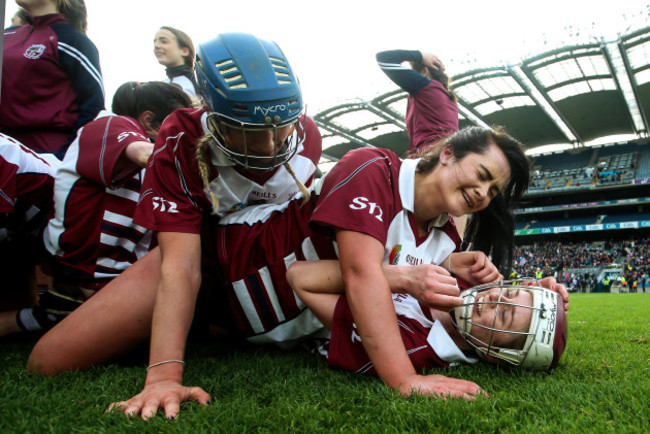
(571, 95)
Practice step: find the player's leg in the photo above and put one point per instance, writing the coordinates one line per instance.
(319, 285)
(115, 320)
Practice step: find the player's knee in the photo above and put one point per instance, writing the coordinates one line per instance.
(38, 360)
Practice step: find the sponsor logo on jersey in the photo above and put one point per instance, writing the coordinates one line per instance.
(264, 194)
(412, 260)
(126, 134)
(164, 205)
(393, 259)
(361, 203)
(35, 51)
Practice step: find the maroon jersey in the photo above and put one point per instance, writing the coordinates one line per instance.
(26, 183)
(430, 115)
(51, 83)
(345, 349)
(174, 198)
(369, 191)
(92, 234)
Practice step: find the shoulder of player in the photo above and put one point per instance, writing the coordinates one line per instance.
(371, 157)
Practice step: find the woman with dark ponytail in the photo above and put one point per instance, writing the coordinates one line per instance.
(92, 237)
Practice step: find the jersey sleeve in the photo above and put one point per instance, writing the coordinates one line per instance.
(345, 350)
(102, 144)
(80, 59)
(391, 63)
(7, 183)
(172, 197)
(358, 195)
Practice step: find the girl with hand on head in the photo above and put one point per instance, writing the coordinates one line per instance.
(91, 235)
(174, 49)
(431, 111)
(51, 79)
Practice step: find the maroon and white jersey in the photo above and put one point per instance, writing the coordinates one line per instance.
(174, 198)
(26, 181)
(427, 343)
(255, 246)
(372, 191)
(369, 191)
(92, 234)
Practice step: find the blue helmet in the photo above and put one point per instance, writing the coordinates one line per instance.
(248, 83)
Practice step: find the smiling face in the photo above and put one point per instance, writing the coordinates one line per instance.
(473, 181)
(167, 50)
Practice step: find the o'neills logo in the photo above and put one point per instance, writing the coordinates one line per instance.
(264, 194)
(412, 260)
(35, 51)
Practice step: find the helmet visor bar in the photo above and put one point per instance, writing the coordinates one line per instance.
(485, 342)
(295, 136)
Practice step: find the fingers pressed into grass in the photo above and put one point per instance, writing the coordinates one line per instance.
(150, 408)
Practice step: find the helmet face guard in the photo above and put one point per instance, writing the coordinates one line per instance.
(218, 125)
(545, 336)
(248, 84)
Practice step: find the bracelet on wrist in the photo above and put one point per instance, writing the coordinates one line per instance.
(165, 361)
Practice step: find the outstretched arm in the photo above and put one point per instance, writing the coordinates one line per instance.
(173, 310)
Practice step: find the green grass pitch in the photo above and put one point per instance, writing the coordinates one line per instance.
(602, 385)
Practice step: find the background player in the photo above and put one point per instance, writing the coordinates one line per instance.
(26, 191)
(51, 80)
(431, 111)
(91, 236)
(174, 49)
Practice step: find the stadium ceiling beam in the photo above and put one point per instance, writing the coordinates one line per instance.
(343, 132)
(624, 76)
(379, 111)
(471, 114)
(535, 90)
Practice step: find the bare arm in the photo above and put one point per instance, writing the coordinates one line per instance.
(139, 152)
(371, 304)
(173, 310)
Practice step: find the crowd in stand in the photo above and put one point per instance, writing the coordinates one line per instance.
(576, 263)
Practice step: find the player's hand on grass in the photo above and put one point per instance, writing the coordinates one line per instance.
(442, 386)
(167, 395)
(475, 267)
(432, 285)
(550, 283)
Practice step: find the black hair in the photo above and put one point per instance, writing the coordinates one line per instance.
(133, 98)
(490, 230)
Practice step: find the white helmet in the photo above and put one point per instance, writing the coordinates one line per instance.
(546, 335)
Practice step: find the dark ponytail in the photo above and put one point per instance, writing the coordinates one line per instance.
(133, 98)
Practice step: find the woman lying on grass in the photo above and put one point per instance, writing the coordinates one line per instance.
(372, 209)
(504, 322)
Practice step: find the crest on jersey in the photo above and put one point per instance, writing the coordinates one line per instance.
(35, 51)
(393, 258)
